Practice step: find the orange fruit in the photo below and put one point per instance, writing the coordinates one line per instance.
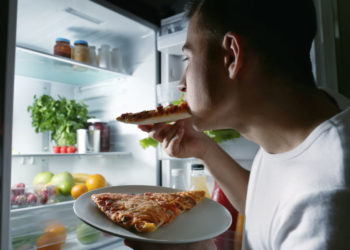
(78, 189)
(49, 241)
(95, 181)
(58, 229)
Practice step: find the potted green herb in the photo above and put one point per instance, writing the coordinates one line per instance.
(62, 117)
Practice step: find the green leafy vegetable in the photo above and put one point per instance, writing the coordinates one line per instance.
(222, 135)
(148, 142)
(62, 117)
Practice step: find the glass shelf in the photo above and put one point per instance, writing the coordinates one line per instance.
(31, 63)
(101, 154)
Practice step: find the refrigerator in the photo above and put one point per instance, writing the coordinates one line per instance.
(149, 70)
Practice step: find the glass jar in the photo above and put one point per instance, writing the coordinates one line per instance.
(178, 179)
(97, 124)
(81, 51)
(62, 48)
(199, 179)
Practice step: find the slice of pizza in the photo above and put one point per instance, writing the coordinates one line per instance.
(148, 211)
(169, 113)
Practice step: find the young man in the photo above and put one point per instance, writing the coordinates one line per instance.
(249, 69)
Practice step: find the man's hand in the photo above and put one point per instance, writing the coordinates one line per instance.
(179, 139)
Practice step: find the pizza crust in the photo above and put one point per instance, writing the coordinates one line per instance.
(160, 119)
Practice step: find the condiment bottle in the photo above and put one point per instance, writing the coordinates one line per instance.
(178, 179)
(199, 179)
(81, 51)
(219, 196)
(97, 124)
(62, 47)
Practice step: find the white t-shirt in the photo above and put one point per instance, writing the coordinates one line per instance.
(300, 199)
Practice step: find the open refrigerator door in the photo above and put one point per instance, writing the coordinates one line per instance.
(111, 68)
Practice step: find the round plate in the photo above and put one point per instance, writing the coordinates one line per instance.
(205, 221)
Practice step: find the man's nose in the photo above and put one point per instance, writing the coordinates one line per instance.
(182, 84)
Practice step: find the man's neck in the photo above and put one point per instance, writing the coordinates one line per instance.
(285, 120)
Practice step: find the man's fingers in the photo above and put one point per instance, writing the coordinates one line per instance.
(174, 145)
(145, 128)
(169, 135)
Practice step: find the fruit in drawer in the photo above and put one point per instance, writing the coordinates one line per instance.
(63, 181)
(87, 234)
(80, 177)
(43, 178)
(18, 189)
(13, 199)
(58, 229)
(31, 198)
(95, 181)
(50, 241)
(21, 200)
(77, 190)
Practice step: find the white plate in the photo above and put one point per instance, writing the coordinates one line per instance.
(205, 221)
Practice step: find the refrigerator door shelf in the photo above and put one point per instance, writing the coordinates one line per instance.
(172, 43)
(31, 63)
(100, 154)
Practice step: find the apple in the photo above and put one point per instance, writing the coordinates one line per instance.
(43, 197)
(43, 178)
(63, 181)
(65, 187)
(87, 234)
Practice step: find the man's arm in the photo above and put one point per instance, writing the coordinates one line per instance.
(182, 141)
(231, 177)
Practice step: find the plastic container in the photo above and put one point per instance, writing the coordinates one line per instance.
(62, 48)
(199, 179)
(82, 141)
(104, 56)
(178, 179)
(97, 124)
(93, 56)
(26, 196)
(81, 51)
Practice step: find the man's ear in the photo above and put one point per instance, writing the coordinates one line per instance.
(233, 57)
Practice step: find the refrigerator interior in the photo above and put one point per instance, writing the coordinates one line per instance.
(106, 92)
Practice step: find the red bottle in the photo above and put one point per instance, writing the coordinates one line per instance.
(225, 240)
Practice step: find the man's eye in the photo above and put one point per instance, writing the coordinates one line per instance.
(185, 59)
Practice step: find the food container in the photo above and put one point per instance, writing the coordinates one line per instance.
(26, 196)
(81, 51)
(82, 140)
(104, 56)
(97, 124)
(94, 140)
(62, 48)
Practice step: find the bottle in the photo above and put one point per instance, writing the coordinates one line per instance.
(62, 48)
(239, 232)
(219, 196)
(81, 51)
(104, 56)
(97, 124)
(178, 179)
(93, 57)
(199, 179)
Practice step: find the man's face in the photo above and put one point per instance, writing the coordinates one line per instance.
(203, 81)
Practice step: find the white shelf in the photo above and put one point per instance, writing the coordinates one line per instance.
(35, 64)
(101, 154)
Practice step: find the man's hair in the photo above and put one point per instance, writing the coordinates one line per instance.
(280, 32)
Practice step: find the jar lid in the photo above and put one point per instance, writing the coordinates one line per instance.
(82, 42)
(60, 39)
(197, 167)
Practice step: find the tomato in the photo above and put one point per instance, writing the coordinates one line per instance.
(63, 150)
(57, 149)
(71, 149)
